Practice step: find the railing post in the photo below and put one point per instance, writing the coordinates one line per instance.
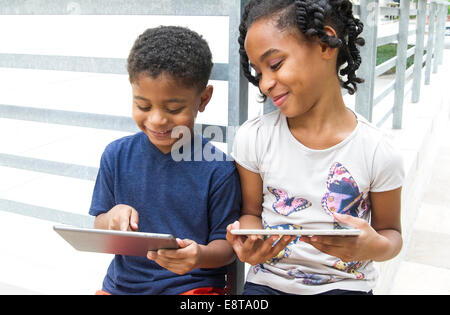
(430, 42)
(418, 54)
(440, 33)
(268, 106)
(237, 102)
(400, 76)
(438, 11)
(237, 112)
(365, 93)
(443, 20)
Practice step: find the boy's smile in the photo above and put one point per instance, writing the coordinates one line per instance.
(160, 104)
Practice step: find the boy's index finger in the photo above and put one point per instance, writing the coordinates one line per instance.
(169, 253)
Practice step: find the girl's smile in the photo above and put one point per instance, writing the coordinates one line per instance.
(290, 68)
(279, 100)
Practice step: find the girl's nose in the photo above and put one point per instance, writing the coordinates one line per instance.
(266, 84)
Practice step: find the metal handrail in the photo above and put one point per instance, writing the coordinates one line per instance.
(369, 10)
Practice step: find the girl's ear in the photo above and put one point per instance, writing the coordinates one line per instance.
(205, 97)
(327, 51)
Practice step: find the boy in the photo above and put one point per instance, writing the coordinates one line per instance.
(140, 187)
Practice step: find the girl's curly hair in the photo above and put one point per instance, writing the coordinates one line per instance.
(310, 17)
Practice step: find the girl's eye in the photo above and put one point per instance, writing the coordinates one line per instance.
(276, 65)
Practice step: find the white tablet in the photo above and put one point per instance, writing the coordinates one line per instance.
(115, 242)
(343, 232)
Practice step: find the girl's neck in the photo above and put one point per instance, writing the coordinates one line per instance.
(327, 123)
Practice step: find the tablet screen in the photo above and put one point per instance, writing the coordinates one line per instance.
(310, 232)
(115, 242)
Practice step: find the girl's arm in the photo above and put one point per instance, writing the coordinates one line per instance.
(379, 241)
(252, 198)
(253, 249)
(386, 220)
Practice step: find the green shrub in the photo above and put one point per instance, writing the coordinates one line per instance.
(388, 51)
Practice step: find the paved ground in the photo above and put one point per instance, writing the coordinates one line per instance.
(426, 268)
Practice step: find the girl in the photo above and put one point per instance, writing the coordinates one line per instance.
(313, 163)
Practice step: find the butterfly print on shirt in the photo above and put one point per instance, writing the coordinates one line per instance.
(286, 205)
(342, 194)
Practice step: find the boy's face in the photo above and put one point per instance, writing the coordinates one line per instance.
(160, 104)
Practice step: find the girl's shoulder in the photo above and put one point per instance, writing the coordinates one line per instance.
(260, 124)
(371, 133)
(381, 144)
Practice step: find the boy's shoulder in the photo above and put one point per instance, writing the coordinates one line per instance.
(124, 141)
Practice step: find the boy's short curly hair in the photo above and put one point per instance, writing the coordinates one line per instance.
(177, 51)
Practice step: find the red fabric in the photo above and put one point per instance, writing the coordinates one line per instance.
(205, 291)
(197, 291)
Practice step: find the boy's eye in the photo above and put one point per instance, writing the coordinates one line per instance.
(142, 108)
(175, 111)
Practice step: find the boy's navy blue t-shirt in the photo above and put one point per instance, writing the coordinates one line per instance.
(188, 199)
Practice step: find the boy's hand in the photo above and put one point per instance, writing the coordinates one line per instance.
(123, 218)
(254, 249)
(179, 261)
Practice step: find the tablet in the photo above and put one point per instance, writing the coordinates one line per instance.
(343, 232)
(115, 242)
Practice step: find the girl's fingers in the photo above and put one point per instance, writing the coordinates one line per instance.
(281, 244)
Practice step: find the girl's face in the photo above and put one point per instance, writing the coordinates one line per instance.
(290, 68)
(161, 104)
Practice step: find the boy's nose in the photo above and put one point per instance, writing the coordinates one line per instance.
(156, 119)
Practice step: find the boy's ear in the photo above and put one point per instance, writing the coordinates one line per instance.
(205, 97)
(327, 51)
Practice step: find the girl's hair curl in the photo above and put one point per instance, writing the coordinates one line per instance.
(311, 17)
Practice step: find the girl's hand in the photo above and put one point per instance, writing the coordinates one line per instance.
(350, 248)
(179, 261)
(122, 217)
(254, 249)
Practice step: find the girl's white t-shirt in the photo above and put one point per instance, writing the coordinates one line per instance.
(302, 187)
